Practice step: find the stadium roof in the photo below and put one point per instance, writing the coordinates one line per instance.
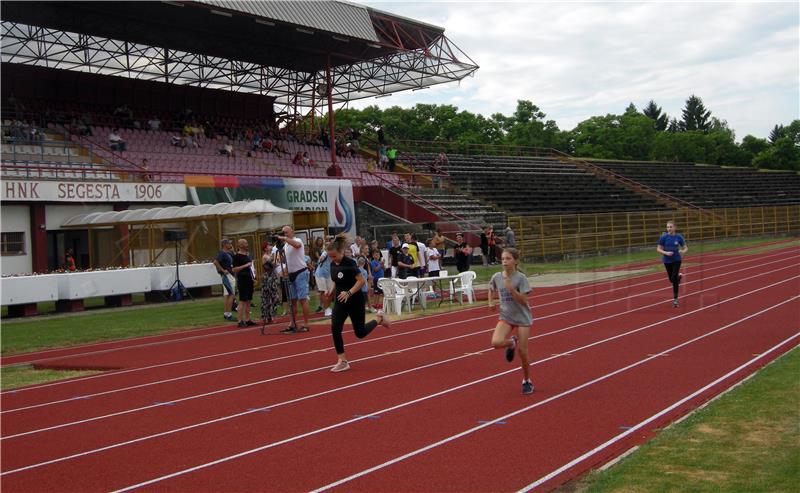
(276, 48)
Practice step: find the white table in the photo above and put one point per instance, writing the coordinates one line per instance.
(414, 287)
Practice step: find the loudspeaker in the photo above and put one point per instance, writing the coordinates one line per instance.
(175, 234)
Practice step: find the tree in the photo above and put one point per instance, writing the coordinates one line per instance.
(673, 126)
(695, 115)
(783, 154)
(627, 136)
(777, 132)
(752, 146)
(653, 111)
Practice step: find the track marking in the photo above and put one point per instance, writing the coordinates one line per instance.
(304, 372)
(541, 403)
(383, 411)
(401, 334)
(654, 417)
(294, 341)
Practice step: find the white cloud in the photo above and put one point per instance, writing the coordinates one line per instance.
(576, 60)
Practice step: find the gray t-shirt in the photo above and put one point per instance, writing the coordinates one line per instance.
(512, 312)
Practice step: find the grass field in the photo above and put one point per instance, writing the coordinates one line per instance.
(747, 440)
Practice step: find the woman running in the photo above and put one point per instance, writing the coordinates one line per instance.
(671, 246)
(348, 281)
(515, 312)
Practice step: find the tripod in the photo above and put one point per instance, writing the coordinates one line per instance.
(178, 291)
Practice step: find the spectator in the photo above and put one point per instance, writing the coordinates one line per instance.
(441, 160)
(294, 252)
(438, 243)
(154, 124)
(227, 150)
(383, 159)
(463, 252)
(115, 142)
(391, 153)
(224, 264)
(377, 269)
(511, 239)
(362, 267)
(306, 160)
(245, 281)
(270, 286)
(146, 176)
(69, 260)
(298, 159)
(433, 259)
(322, 276)
(395, 251)
(381, 138)
(404, 262)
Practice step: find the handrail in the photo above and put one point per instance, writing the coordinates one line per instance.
(421, 199)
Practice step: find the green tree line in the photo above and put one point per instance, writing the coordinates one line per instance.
(649, 134)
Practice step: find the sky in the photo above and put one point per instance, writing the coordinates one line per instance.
(578, 60)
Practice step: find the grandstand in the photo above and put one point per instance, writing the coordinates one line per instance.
(711, 186)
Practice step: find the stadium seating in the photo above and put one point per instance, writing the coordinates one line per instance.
(713, 186)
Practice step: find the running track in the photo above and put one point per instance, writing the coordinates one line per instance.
(426, 407)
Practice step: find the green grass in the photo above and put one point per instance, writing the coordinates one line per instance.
(21, 376)
(748, 440)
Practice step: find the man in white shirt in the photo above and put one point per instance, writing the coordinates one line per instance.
(433, 256)
(295, 253)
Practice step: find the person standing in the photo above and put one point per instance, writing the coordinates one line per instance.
(295, 253)
(348, 282)
(512, 288)
(438, 243)
(69, 261)
(224, 264)
(433, 257)
(391, 153)
(405, 263)
(243, 269)
(322, 275)
(485, 246)
(270, 286)
(511, 238)
(395, 249)
(672, 246)
(463, 253)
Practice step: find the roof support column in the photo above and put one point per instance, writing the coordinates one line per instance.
(331, 126)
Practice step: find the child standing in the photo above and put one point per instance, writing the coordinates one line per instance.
(515, 312)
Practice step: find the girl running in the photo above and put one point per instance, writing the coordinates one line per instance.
(671, 246)
(348, 281)
(515, 312)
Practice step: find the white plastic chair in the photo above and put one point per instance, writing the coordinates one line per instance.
(464, 286)
(393, 295)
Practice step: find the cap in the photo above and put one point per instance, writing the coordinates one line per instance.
(405, 245)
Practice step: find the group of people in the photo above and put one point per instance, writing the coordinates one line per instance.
(343, 274)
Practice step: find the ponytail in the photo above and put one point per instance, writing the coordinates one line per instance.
(338, 243)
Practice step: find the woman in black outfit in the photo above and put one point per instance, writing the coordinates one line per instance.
(243, 269)
(347, 280)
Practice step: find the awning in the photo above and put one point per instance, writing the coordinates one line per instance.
(237, 217)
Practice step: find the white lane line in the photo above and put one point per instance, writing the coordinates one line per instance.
(304, 372)
(368, 341)
(408, 403)
(541, 403)
(654, 417)
(295, 341)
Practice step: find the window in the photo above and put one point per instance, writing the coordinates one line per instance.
(12, 243)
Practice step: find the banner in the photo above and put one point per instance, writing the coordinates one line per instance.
(299, 194)
(89, 191)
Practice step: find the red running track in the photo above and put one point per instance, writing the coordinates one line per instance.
(426, 407)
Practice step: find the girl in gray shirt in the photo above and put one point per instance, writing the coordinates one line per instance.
(512, 287)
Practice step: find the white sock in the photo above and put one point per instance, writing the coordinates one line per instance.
(227, 314)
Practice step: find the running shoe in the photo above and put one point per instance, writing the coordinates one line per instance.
(382, 319)
(675, 303)
(250, 323)
(242, 323)
(229, 318)
(289, 330)
(510, 349)
(527, 387)
(372, 310)
(328, 312)
(342, 365)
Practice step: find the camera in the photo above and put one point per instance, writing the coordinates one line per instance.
(276, 242)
